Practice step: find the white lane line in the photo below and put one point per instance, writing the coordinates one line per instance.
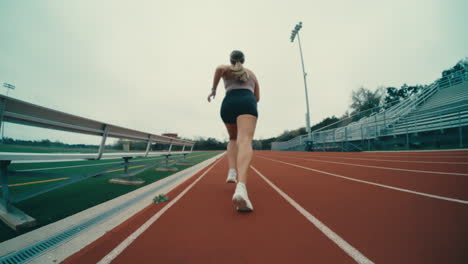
(380, 167)
(400, 156)
(340, 242)
(405, 161)
(373, 183)
(414, 156)
(415, 151)
(122, 246)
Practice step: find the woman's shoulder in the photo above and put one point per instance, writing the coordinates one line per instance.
(251, 73)
(223, 67)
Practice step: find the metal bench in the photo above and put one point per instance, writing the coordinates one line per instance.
(24, 113)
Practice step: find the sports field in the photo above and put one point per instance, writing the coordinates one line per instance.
(70, 199)
(33, 149)
(386, 207)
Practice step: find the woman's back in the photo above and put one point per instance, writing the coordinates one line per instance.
(232, 82)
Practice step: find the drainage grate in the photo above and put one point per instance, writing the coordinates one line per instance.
(40, 248)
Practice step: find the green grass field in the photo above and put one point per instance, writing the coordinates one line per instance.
(71, 199)
(33, 149)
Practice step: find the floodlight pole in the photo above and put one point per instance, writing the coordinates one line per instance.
(293, 35)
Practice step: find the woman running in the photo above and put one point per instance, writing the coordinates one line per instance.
(239, 114)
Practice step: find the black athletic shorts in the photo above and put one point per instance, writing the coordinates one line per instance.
(236, 103)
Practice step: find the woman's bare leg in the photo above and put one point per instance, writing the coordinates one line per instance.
(232, 145)
(232, 154)
(245, 132)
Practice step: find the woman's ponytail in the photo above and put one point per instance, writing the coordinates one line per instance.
(237, 59)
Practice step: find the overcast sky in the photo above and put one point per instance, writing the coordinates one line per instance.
(148, 65)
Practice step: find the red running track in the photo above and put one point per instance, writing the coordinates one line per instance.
(390, 207)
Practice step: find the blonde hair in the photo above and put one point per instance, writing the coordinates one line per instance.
(239, 72)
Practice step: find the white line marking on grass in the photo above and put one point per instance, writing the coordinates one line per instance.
(405, 161)
(373, 183)
(85, 165)
(122, 246)
(98, 164)
(384, 168)
(340, 242)
(73, 166)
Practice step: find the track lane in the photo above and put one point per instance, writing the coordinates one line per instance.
(439, 156)
(458, 152)
(451, 186)
(395, 161)
(377, 155)
(430, 165)
(95, 251)
(435, 168)
(448, 154)
(343, 244)
(386, 225)
(203, 227)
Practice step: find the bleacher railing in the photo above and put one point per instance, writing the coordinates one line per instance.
(378, 121)
(24, 113)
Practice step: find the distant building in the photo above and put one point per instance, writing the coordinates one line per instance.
(172, 135)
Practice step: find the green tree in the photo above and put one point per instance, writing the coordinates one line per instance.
(391, 95)
(363, 99)
(209, 144)
(462, 65)
(325, 122)
(394, 95)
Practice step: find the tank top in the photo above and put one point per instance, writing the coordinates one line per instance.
(238, 84)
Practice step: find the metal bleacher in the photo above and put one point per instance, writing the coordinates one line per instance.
(440, 105)
(446, 109)
(24, 113)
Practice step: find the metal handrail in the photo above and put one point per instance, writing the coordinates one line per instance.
(392, 105)
(435, 112)
(381, 120)
(386, 118)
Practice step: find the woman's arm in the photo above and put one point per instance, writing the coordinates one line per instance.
(217, 77)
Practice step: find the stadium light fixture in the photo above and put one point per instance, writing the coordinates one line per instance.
(9, 87)
(294, 33)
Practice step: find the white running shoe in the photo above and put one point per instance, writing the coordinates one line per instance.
(241, 199)
(232, 176)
